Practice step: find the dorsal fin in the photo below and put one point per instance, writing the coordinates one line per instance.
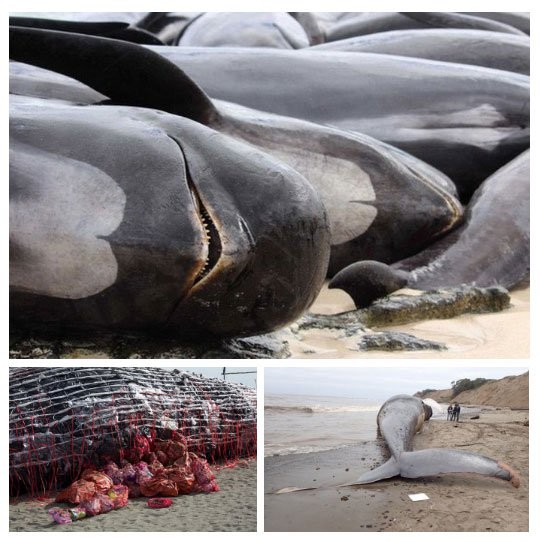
(115, 30)
(309, 23)
(151, 18)
(127, 73)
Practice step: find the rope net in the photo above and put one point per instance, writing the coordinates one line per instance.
(63, 420)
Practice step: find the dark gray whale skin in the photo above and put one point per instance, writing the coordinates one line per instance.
(34, 82)
(475, 47)
(519, 20)
(253, 29)
(368, 280)
(466, 121)
(398, 420)
(492, 247)
(129, 17)
(115, 30)
(381, 203)
(409, 204)
(361, 24)
(461, 20)
(172, 199)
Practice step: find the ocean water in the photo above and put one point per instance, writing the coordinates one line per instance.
(295, 424)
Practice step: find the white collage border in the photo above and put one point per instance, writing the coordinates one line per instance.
(382, 5)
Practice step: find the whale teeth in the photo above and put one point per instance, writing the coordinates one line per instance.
(211, 234)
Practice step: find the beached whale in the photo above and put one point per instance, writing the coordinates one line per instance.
(130, 218)
(239, 29)
(476, 47)
(518, 19)
(466, 121)
(350, 25)
(445, 19)
(63, 418)
(381, 202)
(398, 420)
(491, 247)
(110, 29)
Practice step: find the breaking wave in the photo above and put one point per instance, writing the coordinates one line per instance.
(316, 409)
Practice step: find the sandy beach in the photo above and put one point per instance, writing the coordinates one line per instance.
(457, 502)
(233, 508)
(504, 334)
(499, 335)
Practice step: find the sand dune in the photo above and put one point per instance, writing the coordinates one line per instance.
(509, 392)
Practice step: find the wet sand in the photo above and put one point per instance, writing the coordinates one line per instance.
(457, 502)
(233, 508)
(497, 335)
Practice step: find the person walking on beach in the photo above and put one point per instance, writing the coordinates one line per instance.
(455, 412)
(450, 412)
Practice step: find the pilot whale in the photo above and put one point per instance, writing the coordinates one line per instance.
(259, 29)
(461, 20)
(370, 23)
(116, 30)
(490, 248)
(476, 47)
(381, 202)
(466, 121)
(131, 218)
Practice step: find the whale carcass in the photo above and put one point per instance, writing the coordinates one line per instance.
(63, 419)
(398, 420)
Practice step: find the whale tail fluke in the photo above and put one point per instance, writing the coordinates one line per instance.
(444, 460)
(514, 477)
(386, 470)
(429, 463)
(439, 461)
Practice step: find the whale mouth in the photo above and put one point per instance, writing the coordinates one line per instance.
(212, 240)
(211, 234)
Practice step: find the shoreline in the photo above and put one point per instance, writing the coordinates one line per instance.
(460, 502)
(504, 334)
(495, 335)
(233, 508)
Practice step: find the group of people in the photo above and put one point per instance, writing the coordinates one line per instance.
(453, 411)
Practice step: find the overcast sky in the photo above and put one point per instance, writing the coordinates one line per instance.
(249, 379)
(372, 382)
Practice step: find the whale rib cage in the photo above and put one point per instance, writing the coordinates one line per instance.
(63, 419)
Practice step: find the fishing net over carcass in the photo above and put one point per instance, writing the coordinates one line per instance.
(63, 420)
